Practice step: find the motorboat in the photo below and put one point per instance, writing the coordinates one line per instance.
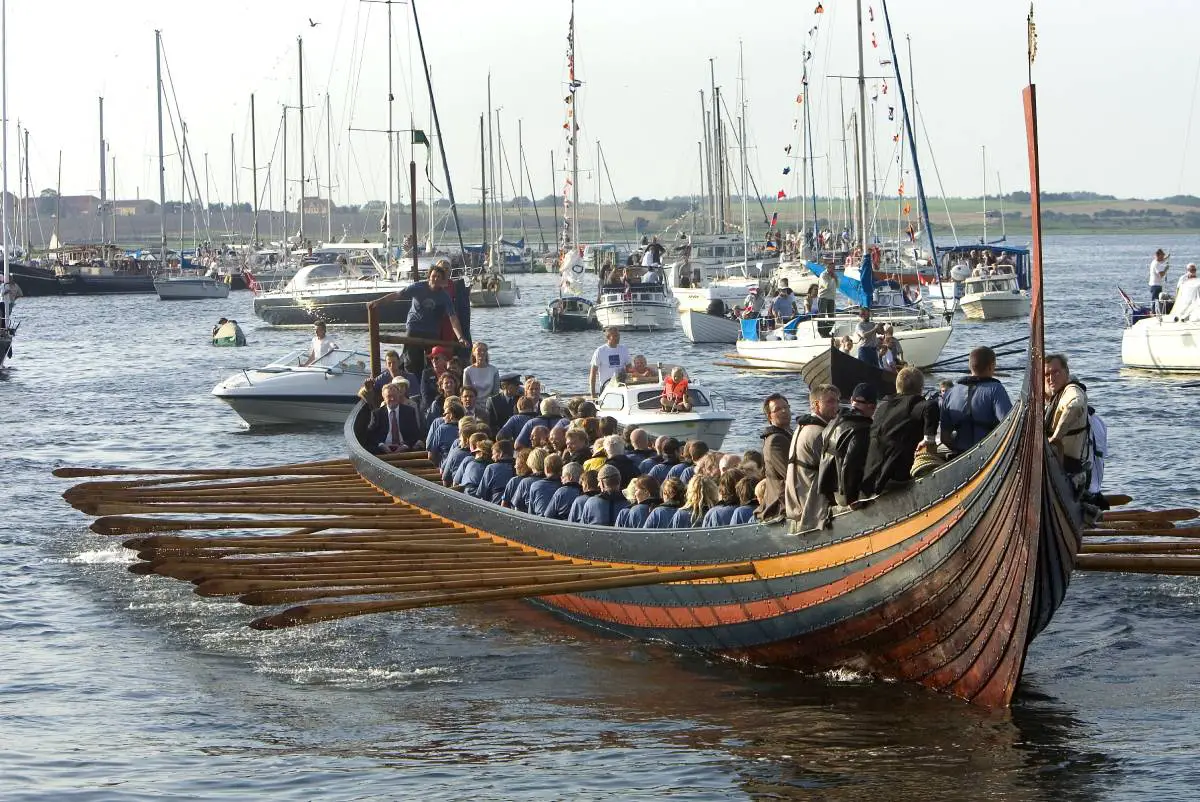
(792, 346)
(491, 289)
(995, 296)
(569, 313)
(944, 291)
(292, 391)
(190, 288)
(639, 404)
(336, 292)
(1164, 337)
(705, 327)
(633, 304)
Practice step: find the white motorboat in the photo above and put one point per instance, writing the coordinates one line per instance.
(640, 405)
(186, 288)
(1162, 343)
(493, 289)
(701, 327)
(288, 391)
(993, 297)
(793, 346)
(635, 305)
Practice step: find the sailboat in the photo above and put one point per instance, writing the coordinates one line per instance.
(8, 328)
(490, 287)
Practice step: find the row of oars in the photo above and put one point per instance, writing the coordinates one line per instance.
(1110, 545)
(343, 539)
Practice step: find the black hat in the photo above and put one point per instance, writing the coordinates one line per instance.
(510, 378)
(865, 392)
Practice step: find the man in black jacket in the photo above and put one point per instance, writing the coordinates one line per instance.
(901, 422)
(501, 406)
(847, 440)
(777, 441)
(393, 426)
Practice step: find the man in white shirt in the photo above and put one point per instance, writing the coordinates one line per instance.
(608, 360)
(321, 345)
(1158, 273)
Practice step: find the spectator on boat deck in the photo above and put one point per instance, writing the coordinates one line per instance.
(1186, 295)
(675, 392)
(721, 513)
(887, 353)
(542, 490)
(536, 462)
(776, 437)
(846, 442)
(653, 275)
(470, 472)
(431, 304)
(645, 500)
(551, 414)
(501, 406)
(526, 406)
(729, 462)
(699, 498)
(614, 451)
(783, 306)
(901, 422)
(576, 449)
(589, 484)
(653, 253)
(560, 503)
(866, 337)
(639, 371)
(496, 475)
(751, 304)
(802, 500)
(602, 509)
(974, 405)
(752, 463)
(444, 431)
(469, 399)
(811, 301)
(889, 332)
(393, 426)
(320, 345)
(663, 516)
(1158, 274)
(1067, 421)
(481, 373)
(747, 504)
(670, 452)
(608, 360)
(520, 471)
(827, 287)
(693, 452)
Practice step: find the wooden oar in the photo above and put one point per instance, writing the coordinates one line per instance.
(78, 472)
(386, 508)
(192, 571)
(130, 525)
(1139, 564)
(332, 611)
(1159, 531)
(1157, 547)
(1179, 514)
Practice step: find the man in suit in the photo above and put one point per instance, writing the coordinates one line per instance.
(393, 426)
(501, 406)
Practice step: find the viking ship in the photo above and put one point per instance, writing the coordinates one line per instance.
(943, 583)
(844, 372)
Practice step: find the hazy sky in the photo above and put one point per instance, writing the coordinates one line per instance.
(1117, 83)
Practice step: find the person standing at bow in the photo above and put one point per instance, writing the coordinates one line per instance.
(1158, 273)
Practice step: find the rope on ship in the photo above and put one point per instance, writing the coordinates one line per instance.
(341, 539)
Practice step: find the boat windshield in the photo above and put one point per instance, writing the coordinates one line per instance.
(648, 399)
(346, 360)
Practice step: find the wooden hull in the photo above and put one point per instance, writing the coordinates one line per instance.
(943, 584)
(844, 372)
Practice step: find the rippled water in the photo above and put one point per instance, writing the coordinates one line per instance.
(119, 687)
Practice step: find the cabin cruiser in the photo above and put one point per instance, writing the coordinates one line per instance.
(336, 292)
(640, 405)
(792, 346)
(569, 313)
(291, 390)
(191, 288)
(957, 263)
(492, 289)
(629, 302)
(994, 296)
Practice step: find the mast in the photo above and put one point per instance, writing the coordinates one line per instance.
(300, 211)
(808, 165)
(58, 208)
(599, 216)
(4, 143)
(483, 202)
(573, 129)
(498, 186)
(714, 158)
(719, 163)
(162, 173)
(103, 183)
(491, 161)
(861, 144)
(909, 125)
(285, 186)
(387, 214)
(113, 229)
(745, 167)
(183, 188)
(983, 156)
(328, 171)
(705, 163)
(254, 167)
(232, 184)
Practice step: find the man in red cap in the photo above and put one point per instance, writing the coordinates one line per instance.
(439, 358)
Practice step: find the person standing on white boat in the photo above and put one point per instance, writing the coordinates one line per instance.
(653, 253)
(321, 345)
(1158, 273)
(1186, 295)
(608, 360)
(866, 337)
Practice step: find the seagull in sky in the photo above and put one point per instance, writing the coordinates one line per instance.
(312, 24)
